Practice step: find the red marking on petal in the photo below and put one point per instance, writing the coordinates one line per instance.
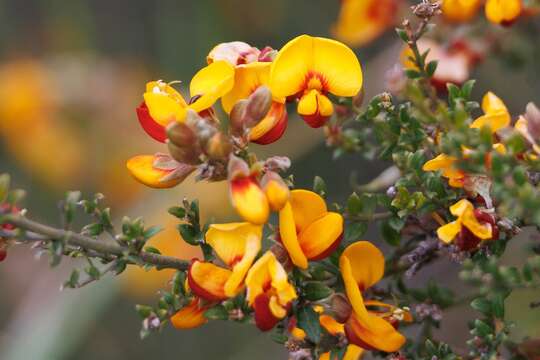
(198, 290)
(152, 127)
(328, 251)
(315, 120)
(353, 337)
(264, 319)
(276, 132)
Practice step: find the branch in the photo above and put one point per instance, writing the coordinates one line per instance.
(41, 232)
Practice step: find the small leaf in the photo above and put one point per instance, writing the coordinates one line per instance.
(315, 291)
(482, 305)
(178, 212)
(319, 186)
(144, 311)
(188, 233)
(153, 250)
(413, 74)
(308, 320)
(402, 35)
(151, 232)
(354, 231)
(431, 67)
(390, 235)
(216, 313)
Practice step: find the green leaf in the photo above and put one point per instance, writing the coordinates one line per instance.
(413, 74)
(482, 329)
(315, 291)
(178, 281)
(354, 204)
(144, 311)
(178, 212)
(431, 67)
(92, 229)
(402, 35)
(482, 305)
(390, 235)
(151, 232)
(217, 313)
(189, 234)
(497, 305)
(319, 186)
(354, 231)
(308, 320)
(153, 250)
(466, 89)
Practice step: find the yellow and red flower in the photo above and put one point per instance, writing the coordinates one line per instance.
(460, 10)
(501, 12)
(362, 21)
(307, 229)
(470, 228)
(151, 171)
(190, 316)
(163, 104)
(269, 292)
(236, 245)
(309, 68)
(361, 266)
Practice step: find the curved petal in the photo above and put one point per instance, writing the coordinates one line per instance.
(491, 103)
(461, 207)
(152, 127)
(234, 52)
(237, 244)
(441, 162)
(163, 108)
(249, 200)
(264, 318)
(247, 79)
(447, 233)
(190, 316)
(375, 333)
(291, 66)
(308, 103)
(277, 192)
(331, 325)
(307, 206)
(494, 120)
(207, 280)
(353, 352)
(503, 12)
(142, 169)
(211, 83)
(339, 66)
(272, 127)
(321, 235)
(352, 289)
(482, 231)
(289, 237)
(367, 263)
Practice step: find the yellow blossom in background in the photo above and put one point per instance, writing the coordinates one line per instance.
(503, 12)
(464, 211)
(362, 21)
(460, 10)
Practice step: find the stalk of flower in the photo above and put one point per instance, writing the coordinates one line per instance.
(307, 230)
(269, 292)
(308, 69)
(361, 266)
(471, 227)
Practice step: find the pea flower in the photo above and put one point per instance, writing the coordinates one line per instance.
(361, 266)
(503, 12)
(307, 229)
(237, 245)
(460, 10)
(269, 292)
(362, 21)
(309, 68)
(470, 228)
(163, 104)
(158, 171)
(190, 316)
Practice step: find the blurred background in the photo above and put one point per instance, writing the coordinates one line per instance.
(71, 75)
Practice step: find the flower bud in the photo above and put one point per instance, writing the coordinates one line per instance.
(341, 307)
(532, 115)
(218, 147)
(181, 134)
(248, 113)
(275, 189)
(185, 155)
(237, 117)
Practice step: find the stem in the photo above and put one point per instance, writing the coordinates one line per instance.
(105, 249)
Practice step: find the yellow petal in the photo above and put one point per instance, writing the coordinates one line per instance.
(276, 308)
(374, 332)
(376, 16)
(247, 79)
(331, 325)
(207, 280)
(324, 105)
(166, 89)
(164, 108)
(448, 232)
(190, 316)
(353, 352)
(468, 220)
(367, 263)
(237, 244)
(289, 237)
(272, 127)
(441, 162)
(491, 103)
(461, 207)
(307, 206)
(277, 193)
(210, 84)
(460, 10)
(142, 169)
(503, 11)
(308, 104)
(249, 200)
(321, 236)
(352, 289)
(494, 120)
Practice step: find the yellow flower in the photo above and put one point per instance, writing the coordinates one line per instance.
(163, 104)
(496, 115)
(311, 68)
(464, 211)
(269, 292)
(460, 10)
(237, 245)
(307, 229)
(361, 21)
(361, 266)
(446, 164)
(503, 12)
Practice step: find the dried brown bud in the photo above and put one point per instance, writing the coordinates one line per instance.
(341, 307)
(204, 129)
(427, 9)
(249, 112)
(532, 115)
(219, 147)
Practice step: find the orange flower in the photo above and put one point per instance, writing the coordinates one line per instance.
(237, 245)
(307, 229)
(503, 12)
(269, 292)
(460, 10)
(361, 21)
(467, 219)
(190, 316)
(310, 68)
(361, 266)
(158, 171)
